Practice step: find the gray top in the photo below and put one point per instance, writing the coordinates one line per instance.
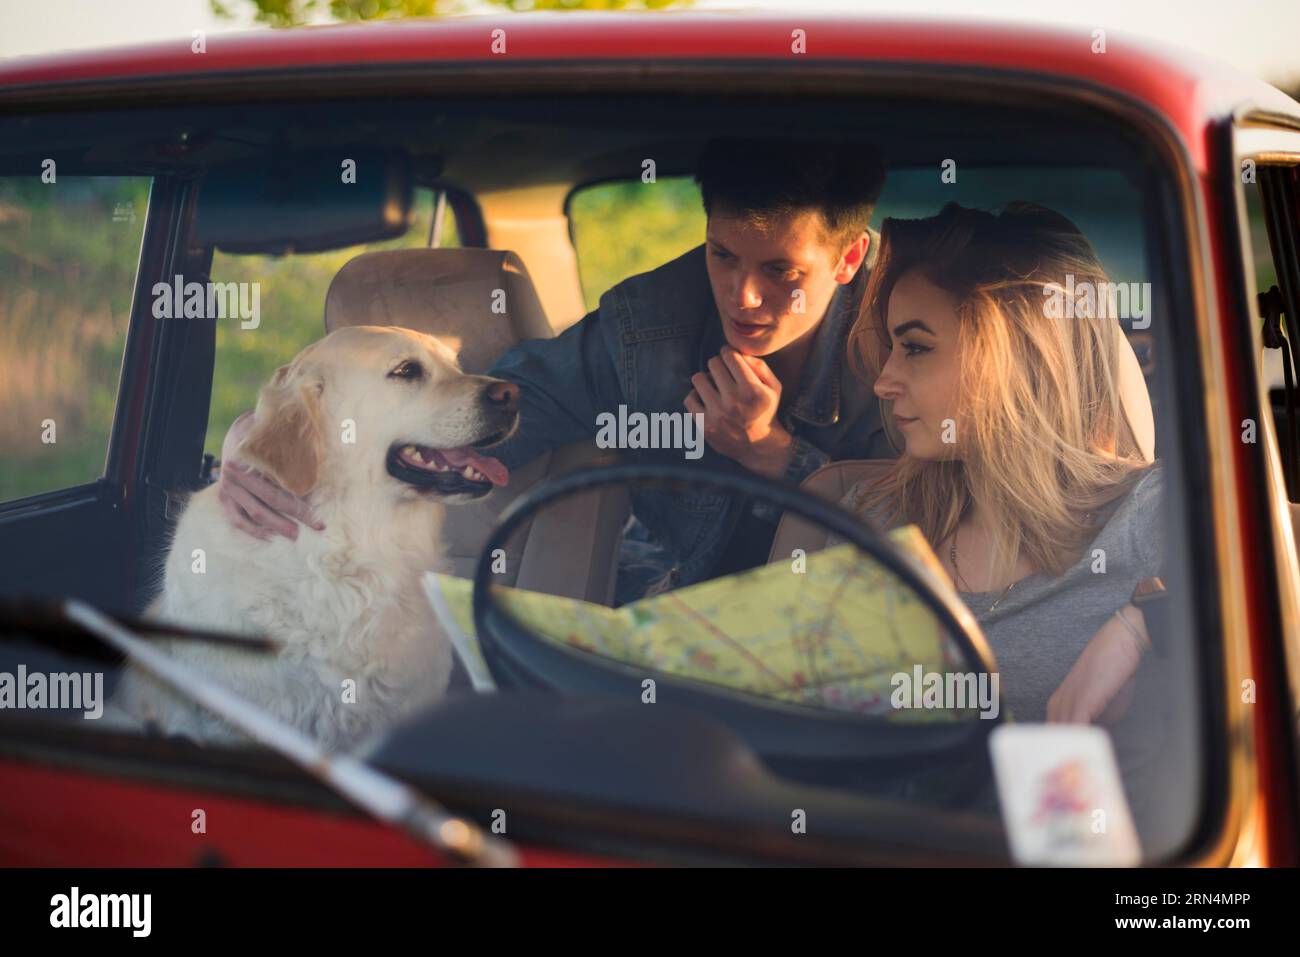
(1043, 624)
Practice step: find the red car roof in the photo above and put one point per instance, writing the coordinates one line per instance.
(1187, 89)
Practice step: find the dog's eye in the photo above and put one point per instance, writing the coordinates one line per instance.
(410, 369)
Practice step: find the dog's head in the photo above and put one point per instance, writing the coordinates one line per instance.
(371, 404)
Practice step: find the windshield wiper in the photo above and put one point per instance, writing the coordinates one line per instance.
(47, 619)
(386, 798)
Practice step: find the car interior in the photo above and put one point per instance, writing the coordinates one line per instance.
(507, 173)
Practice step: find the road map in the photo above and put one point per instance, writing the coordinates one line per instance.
(832, 635)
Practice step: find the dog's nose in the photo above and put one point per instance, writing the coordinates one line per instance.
(502, 395)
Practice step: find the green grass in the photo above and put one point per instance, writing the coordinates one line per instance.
(68, 253)
(622, 229)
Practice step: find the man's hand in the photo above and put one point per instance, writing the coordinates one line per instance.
(1099, 688)
(254, 503)
(739, 398)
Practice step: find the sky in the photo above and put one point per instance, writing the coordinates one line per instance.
(1260, 37)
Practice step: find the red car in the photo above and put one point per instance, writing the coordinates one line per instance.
(513, 150)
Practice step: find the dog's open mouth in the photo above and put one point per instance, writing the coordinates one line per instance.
(460, 471)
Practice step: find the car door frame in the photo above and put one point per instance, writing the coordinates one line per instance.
(1271, 142)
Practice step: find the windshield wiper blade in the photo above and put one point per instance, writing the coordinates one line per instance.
(386, 798)
(35, 616)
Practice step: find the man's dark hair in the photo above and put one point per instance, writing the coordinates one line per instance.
(760, 180)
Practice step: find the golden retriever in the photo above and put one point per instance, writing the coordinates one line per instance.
(382, 428)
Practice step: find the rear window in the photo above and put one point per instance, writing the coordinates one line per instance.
(620, 229)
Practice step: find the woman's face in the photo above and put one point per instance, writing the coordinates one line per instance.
(921, 374)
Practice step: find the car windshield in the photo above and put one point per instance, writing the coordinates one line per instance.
(962, 324)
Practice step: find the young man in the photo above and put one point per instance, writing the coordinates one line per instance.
(747, 330)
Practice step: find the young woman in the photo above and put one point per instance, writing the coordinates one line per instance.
(1018, 463)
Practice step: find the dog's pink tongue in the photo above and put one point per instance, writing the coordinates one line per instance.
(494, 470)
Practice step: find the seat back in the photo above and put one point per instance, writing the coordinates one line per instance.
(830, 483)
(481, 302)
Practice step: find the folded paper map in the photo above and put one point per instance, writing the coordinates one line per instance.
(830, 629)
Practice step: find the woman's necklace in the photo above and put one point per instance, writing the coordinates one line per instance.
(952, 555)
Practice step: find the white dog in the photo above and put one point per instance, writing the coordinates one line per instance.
(382, 428)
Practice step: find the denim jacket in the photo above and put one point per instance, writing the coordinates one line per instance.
(639, 348)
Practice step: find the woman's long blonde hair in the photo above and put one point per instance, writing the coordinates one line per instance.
(1041, 430)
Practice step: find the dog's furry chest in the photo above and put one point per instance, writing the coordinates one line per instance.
(359, 645)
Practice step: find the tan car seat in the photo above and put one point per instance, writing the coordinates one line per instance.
(832, 481)
(572, 547)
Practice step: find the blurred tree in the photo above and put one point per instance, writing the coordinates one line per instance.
(295, 13)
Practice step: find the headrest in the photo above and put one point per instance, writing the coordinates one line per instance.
(479, 301)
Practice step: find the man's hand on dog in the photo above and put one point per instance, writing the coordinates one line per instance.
(253, 502)
(739, 397)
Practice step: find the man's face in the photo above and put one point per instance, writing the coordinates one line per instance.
(772, 288)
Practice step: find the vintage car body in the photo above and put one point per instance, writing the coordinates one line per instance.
(64, 802)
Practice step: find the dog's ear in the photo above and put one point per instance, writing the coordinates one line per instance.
(285, 440)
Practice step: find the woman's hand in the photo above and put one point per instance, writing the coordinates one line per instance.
(1099, 688)
(252, 502)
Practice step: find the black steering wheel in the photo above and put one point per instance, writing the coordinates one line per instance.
(775, 729)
